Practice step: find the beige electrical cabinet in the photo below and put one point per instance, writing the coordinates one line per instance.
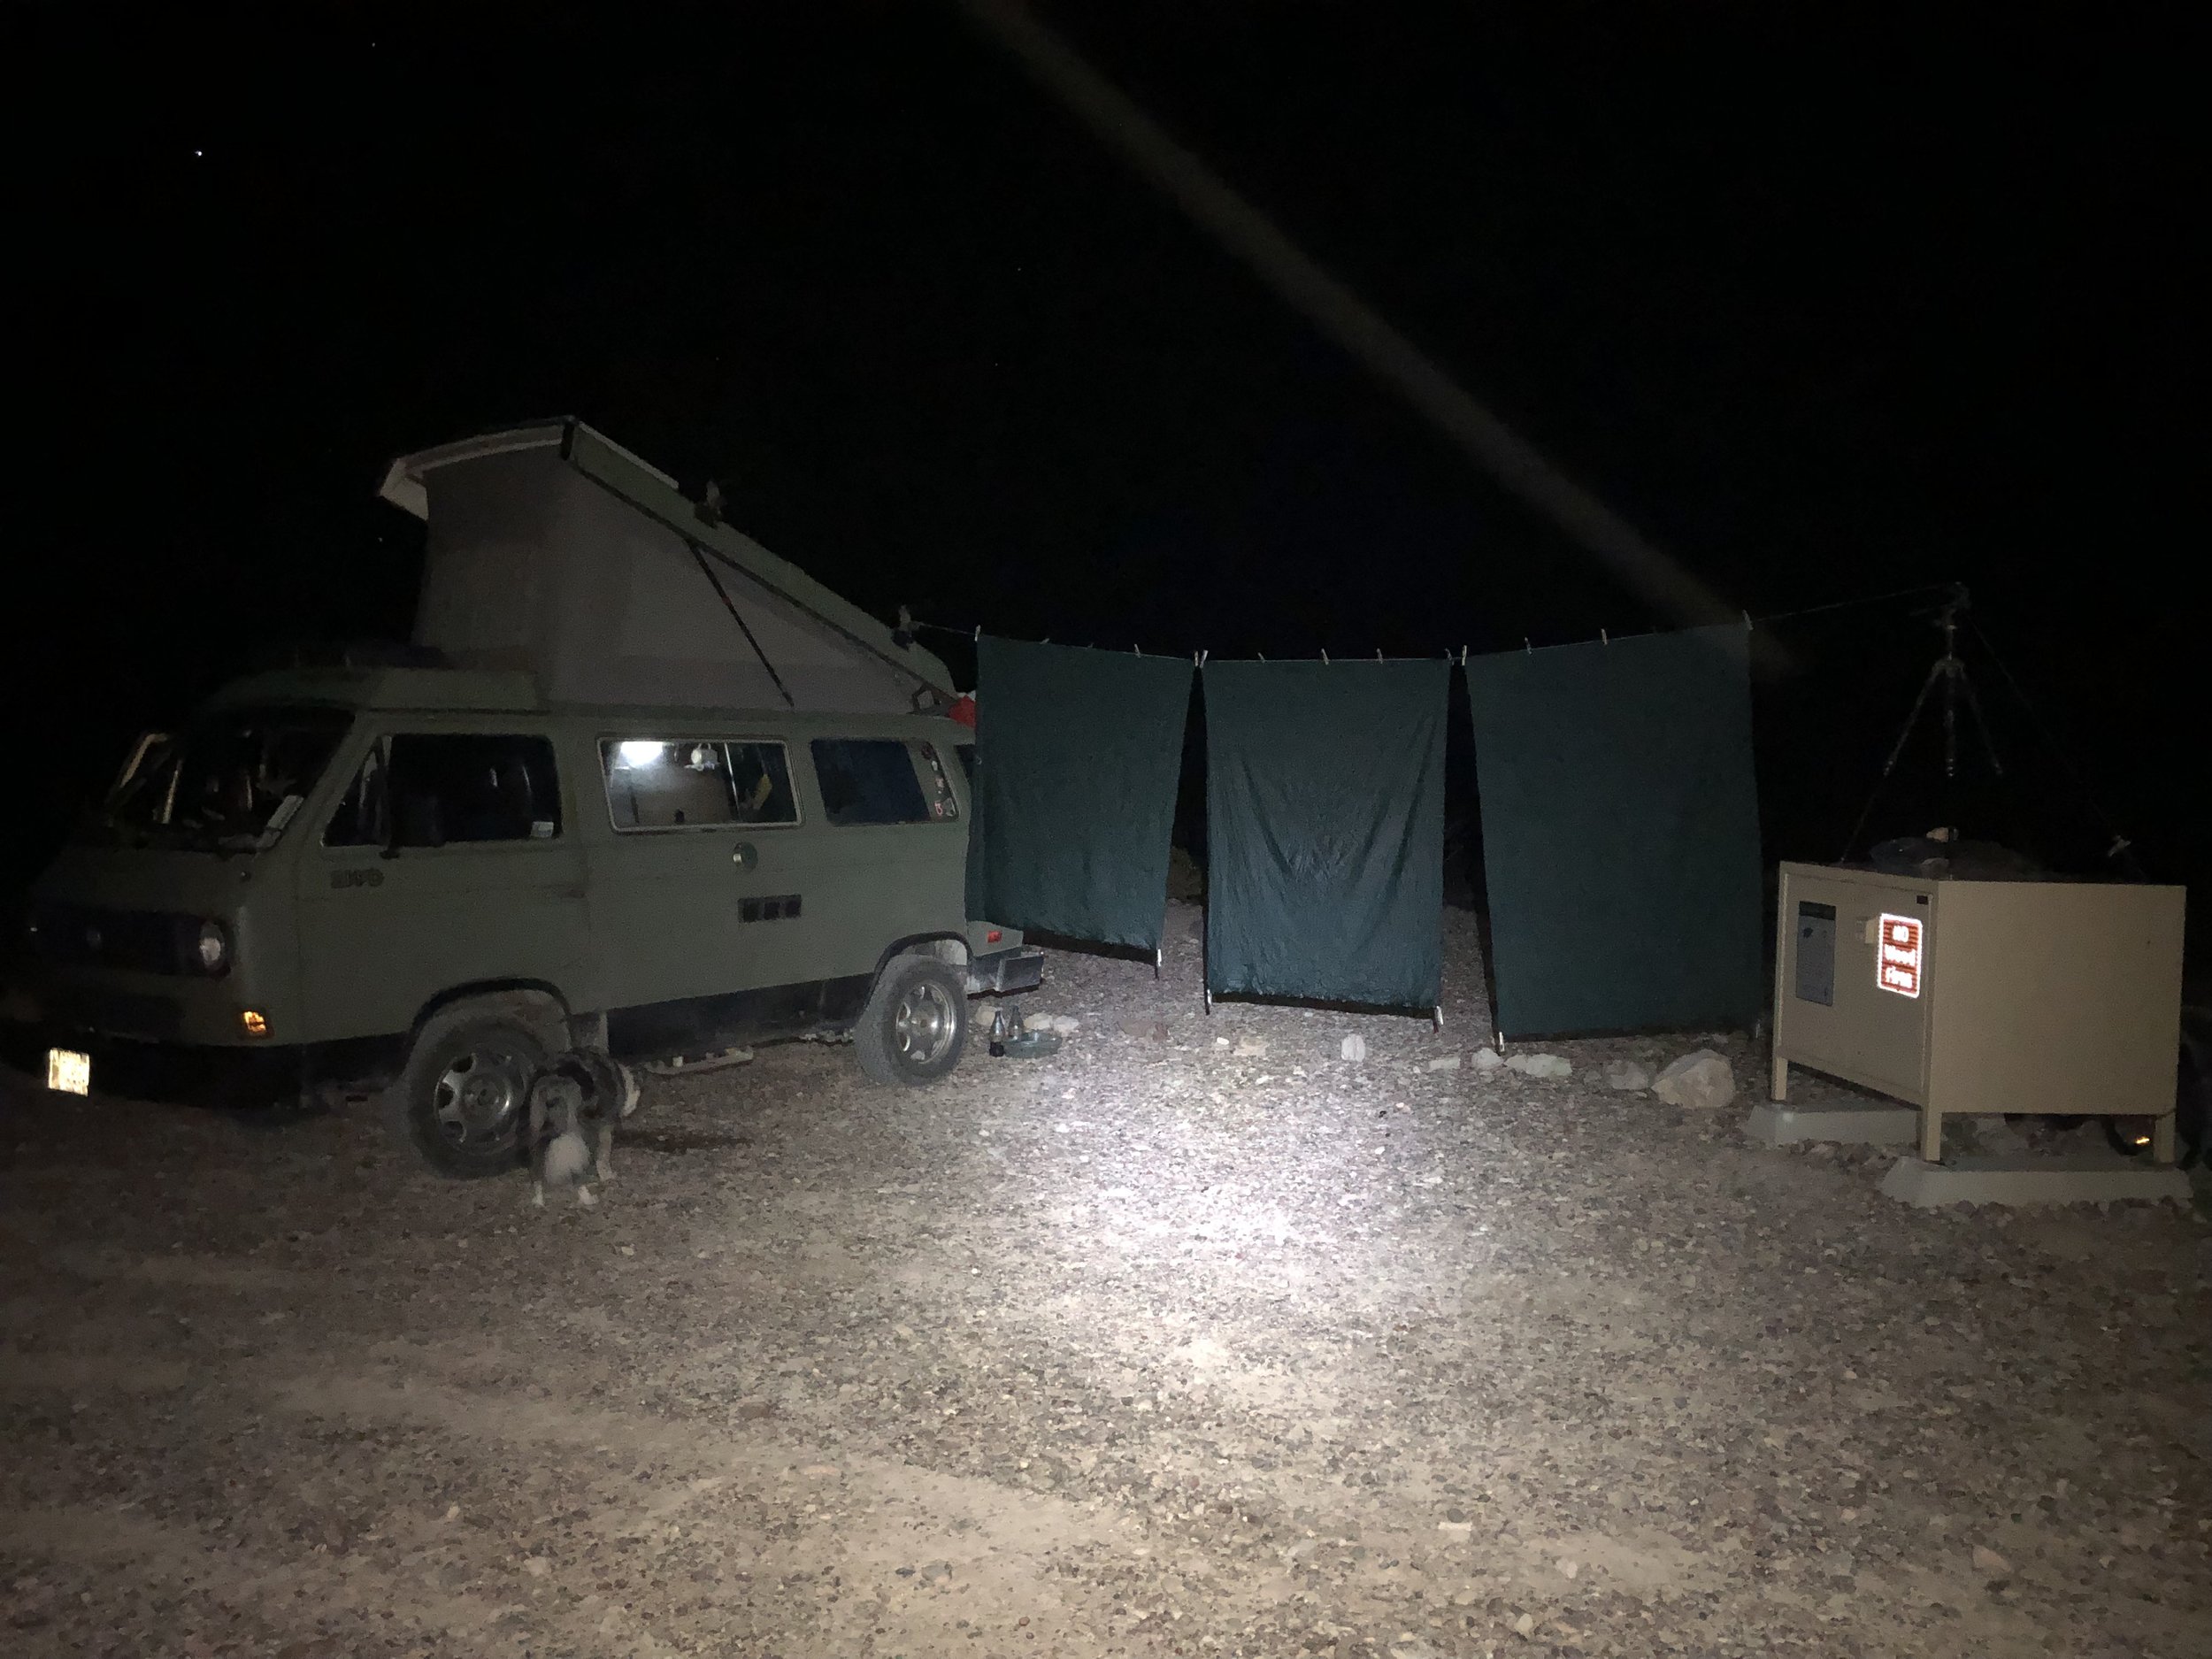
(1981, 996)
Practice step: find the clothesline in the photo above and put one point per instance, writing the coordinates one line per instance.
(1605, 637)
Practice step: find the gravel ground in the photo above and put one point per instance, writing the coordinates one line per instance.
(1192, 1338)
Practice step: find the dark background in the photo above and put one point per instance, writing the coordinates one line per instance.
(1828, 303)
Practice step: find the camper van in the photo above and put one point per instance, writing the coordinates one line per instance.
(429, 875)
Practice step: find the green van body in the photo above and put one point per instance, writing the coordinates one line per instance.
(652, 941)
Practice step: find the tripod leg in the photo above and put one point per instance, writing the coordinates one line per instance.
(1912, 719)
(1896, 753)
(1981, 723)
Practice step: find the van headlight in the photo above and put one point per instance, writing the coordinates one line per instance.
(210, 949)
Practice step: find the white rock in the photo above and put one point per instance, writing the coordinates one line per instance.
(1065, 1025)
(1251, 1049)
(536, 1566)
(1486, 1060)
(1524, 1625)
(1539, 1066)
(1448, 1062)
(1627, 1074)
(1988, 1560)
(1700, 1079)
(1353, 1047)
(1456, 1529)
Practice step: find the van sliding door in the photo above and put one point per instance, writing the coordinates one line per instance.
(702, 891)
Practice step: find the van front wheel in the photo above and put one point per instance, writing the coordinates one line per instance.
(464, 1096)
(915, 1023)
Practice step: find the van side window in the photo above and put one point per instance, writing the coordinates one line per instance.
(432, 789)
(683, 783)
(869, 780)
(761, 779)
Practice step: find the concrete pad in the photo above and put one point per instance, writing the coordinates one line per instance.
(2023, 1180)
(1858, 1125)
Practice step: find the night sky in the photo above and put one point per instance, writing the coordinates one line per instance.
(1825, 304)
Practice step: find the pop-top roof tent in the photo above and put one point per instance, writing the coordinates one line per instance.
(552, 550)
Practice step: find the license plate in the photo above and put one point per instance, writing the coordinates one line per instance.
(69, 1072)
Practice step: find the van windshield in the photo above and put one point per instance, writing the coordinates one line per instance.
(222, 785)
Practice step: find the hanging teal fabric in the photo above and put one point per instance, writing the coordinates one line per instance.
(1077, 756)
(1620, 833)
(1324, 814)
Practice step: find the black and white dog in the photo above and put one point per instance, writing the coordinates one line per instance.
(575, 1106)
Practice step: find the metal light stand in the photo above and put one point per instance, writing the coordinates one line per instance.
(1947, 673)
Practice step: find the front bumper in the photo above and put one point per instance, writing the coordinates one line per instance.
(133, 1069)
(1003, 971)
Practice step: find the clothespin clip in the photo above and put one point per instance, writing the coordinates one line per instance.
(1201, 658)
(1378, 653)
(1526, 646)
(1747, 622)
(1325, 658)
(979, 634)
(1604, 638)
(1462, 657)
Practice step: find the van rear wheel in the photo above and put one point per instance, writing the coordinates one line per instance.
(464, 1097)
(915, 1023)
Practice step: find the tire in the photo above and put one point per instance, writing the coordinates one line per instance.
(463, 1099)
(916, 1024)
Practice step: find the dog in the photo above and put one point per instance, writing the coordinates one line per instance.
(575, 1106)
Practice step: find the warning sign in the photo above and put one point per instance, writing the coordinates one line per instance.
(1897, 962)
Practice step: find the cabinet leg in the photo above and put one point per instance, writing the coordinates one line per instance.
(1778, 1079)
(2163, 1139)
(1930, 1134)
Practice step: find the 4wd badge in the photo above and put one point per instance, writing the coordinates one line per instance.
(357, 877)
(1897, 958)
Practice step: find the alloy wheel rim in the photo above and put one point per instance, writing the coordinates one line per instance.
(478, 1098)
(924, 1025)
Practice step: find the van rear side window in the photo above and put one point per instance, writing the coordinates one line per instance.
(437, 789)
(683, 783)
(869, 780)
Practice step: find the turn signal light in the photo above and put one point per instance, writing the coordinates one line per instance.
(253, 1022)
(993, 936)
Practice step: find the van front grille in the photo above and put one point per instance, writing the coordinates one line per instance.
(145, 941)
(113, 1013)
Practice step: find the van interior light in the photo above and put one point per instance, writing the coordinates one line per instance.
(636, 753)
